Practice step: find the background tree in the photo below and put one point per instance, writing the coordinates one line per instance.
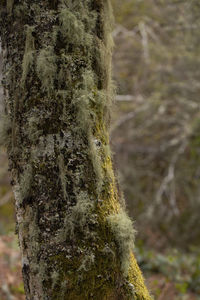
(76, 240)
(156, 132)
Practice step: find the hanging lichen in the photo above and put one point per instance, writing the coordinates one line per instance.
(81, 215)
(26, 181)
(122, 228)
(46, 69)
(72, 29)
(63, 178)
(28, 58)
(87, 262)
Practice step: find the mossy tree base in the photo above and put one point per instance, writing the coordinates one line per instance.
(57, 80)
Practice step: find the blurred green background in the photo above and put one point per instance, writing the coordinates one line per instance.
(155, 139)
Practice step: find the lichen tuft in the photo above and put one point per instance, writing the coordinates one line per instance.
(46, 69)
(72, 29)
(80, 216)
(123, 231)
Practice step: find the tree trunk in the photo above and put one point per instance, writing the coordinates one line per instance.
(75, 239)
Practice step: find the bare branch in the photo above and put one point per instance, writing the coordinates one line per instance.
(128, 117)
(138, 98)
(145, 43)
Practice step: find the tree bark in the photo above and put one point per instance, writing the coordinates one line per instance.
(75, 239)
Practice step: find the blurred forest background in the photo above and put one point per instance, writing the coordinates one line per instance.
(155, 138)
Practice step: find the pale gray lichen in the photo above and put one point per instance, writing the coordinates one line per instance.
(25, 181)
(97, 163)
(45, 147)
(62, 172)
(123, 231)
(72, 29)
(28, 58)
(46, 68)
(55, 278)
(80, 216)
(32, 130)
(86, 117)
(87, 262)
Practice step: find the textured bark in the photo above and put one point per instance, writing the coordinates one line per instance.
(75, 239)
(1, 89)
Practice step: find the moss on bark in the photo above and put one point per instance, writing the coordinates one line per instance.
(72, 230)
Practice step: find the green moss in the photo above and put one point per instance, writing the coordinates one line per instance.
(46, 69)
(136, 279)
(28, 58)
(123, 231)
